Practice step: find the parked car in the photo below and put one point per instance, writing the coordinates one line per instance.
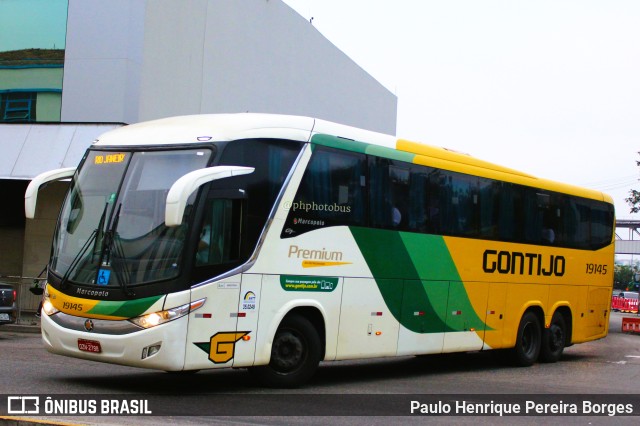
(627, 294)
(8, 307)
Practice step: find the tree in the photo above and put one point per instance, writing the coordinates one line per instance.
(634, 197)
(623, 275)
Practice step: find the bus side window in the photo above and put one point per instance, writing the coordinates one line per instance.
(389, 194)
(220, 232)
(331, 193)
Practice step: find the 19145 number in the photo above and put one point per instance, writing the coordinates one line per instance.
(594, 268)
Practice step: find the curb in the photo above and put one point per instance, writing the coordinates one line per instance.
(21, 328)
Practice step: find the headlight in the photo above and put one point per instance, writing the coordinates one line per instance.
(156, 318)
(47, 306)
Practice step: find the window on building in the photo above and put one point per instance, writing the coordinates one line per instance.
(18, 107)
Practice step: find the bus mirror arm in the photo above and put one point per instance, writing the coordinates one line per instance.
(31, 194)
(189, 183)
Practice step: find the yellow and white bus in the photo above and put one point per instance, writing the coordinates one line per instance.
(276, 242)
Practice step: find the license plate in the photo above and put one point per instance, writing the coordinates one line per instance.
(89, 346)
(4, 317)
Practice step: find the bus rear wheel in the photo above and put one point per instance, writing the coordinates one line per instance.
(553, 339)
(528, 341)
(295, 355)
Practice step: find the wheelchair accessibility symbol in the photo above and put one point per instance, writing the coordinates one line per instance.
(103, 276)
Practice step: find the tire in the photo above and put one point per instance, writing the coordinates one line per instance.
(295, 355)
(554, 339)
(528, 341)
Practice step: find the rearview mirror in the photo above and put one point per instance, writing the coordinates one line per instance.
(31, 194)
(189, 183)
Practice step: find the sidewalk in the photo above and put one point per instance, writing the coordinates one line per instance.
(28, 323)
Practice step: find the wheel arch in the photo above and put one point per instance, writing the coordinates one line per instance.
(538, 310)
(528, 341)
(567, 314)
(317, 319)
(307, 308)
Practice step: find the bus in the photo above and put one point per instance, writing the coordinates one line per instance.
(274, 242)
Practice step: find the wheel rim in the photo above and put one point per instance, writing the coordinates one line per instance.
(288, 352)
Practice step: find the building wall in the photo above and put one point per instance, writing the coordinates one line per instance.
(162, 59)
(257, 56)
(46, 81)
(11, 243)
(103, 59)
(48, 106)
(31, 78)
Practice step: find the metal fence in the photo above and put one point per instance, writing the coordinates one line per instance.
(27, 302)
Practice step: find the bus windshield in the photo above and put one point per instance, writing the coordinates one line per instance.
(111, 230)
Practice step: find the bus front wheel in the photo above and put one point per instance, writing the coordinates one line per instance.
(528, 341)
(553, 339)
(295, 354)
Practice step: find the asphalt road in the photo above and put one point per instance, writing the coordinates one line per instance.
(366, 387)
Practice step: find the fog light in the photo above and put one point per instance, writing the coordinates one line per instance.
(151, 350)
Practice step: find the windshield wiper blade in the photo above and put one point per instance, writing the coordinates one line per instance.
(92, 238)
(109, 235)
(116, 246)
(120, 266)
(111, 247)
(100, 227)
(76, 259)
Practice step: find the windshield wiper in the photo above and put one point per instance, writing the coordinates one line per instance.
(115, 246)
(76, 259)
(92, 238)
(110, 246)
(107, 240)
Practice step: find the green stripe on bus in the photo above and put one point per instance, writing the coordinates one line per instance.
(423, 249)
(124, 309)
(418, 280)
(392, 154)
(362, 148)
(340, 143)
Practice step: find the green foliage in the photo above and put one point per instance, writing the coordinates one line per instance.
(634, 198)
(623, 275)
(634, 201)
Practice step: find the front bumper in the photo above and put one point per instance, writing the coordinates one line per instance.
(128, 346)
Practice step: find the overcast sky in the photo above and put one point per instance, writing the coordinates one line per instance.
(32, 24)
(549, 87)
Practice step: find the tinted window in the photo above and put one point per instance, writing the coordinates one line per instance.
(409, 197)
(331, 193)
(389, 194)
(242, 203)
